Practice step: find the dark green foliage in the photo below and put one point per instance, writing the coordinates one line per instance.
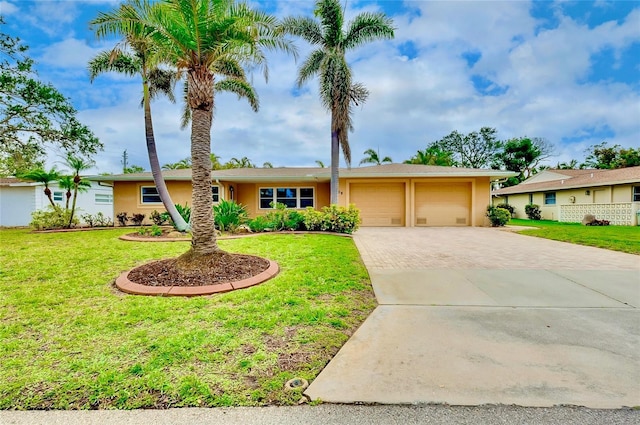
(185, 211)
(522, 155)
(432, 155)
(602, 156)
(477, 149)
(259, 224)
(34, 114)
(498, 216)
(340, 219)
(507, 207)
(97, 220)
(533, 211)
(122, 218)
(294, 221)
(158, 218)
(228, 215)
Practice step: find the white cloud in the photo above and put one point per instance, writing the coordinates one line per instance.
(68, 53)
(7, 8)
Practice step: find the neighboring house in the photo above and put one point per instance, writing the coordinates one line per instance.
(19, 198)
(568, 195)
(387, 195)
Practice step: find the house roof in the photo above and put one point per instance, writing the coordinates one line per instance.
(13, 181)
(316, 173)
(573, 179)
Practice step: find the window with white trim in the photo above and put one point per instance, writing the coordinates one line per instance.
(636, 194)
(215, 192)
(292, 197)
(149, 195)
(103, 198)
(58, 196)
(550, 198)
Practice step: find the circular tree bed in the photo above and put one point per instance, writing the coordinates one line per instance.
(210, 274)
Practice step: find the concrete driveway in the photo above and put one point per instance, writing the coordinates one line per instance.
(471, 316)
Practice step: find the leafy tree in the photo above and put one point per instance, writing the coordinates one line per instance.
(373, 157)
(432, 155)
(180, 165)
(33, 115)
(209, 41)
(602, 156)
(522, 155)
(45, 177)
(156, 81)
(338, 93)
(474, 150)
(132, 169)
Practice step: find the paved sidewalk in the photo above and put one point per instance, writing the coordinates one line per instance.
(470, 316)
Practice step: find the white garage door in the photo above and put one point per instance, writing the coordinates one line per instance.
(380, 204)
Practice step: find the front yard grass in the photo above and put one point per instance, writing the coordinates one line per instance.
(69, 340)
(617, 238)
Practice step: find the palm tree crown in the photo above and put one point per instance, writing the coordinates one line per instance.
(373, 157)
(338, 93)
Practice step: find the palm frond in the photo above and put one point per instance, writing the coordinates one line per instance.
(241, 88)
(304, 27)
(114, 61)
(310, 67)
(331, 19)
(368, 27)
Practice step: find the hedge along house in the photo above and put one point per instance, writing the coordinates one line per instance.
(569, 195)
(387, 195)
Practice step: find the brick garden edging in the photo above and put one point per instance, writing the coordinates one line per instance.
(125, 285)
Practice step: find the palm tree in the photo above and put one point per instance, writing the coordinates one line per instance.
(267, 165)
(77, 164)
(319, 163)
(155, 81)
(373, 157)
(209, 41)
(243, 162)
(66, 183)
(337, 91)
(42, 176)
(180, 165)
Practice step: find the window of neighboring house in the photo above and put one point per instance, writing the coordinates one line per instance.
(149, 195)
(636, 193)
(215, 191)
(58, 196)
(292, 197)
(550, 198)
(104, 198)
(530, 198)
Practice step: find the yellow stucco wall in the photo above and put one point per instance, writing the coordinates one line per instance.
(127, 197)
(590, 195)
(248, 194)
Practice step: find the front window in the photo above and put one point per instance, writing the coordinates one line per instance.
(104, 198)
(292, 197)
(215, 192)
(149, 195)
(636, 193)
(550, 198)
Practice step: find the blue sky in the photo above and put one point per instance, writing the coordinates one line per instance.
(568, 71)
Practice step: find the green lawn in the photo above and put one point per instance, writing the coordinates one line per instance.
(617, 238)
(69, 340)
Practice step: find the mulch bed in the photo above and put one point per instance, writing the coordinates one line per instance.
(210, 270)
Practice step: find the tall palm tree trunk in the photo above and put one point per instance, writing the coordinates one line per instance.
(75, 198)
(335, 165)
(204, 238)
(156, 170)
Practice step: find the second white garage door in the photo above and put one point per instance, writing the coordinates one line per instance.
(380, 204)
(442, 204)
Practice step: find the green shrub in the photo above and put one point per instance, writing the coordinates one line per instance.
(340, 219)
(142, 231)
(155, 230)
(158, 218)
(228, 215)
(97, 220)
(507, 207)
(259, 224)
(294, 220)
(498, 216)
(52, 218)
(313, 220)
(183, 210)
(533, 212)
